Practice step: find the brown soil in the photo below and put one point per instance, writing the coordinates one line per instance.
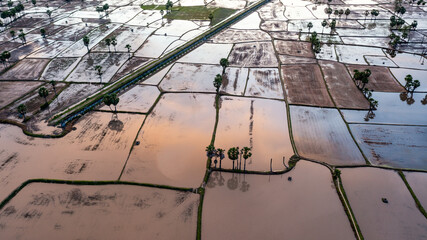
(8, 46)
(291, 60)
(304, 85)
(26, 49)
(380, 79)
(27, 69)
(9, 91)
(342, 88)
(300, 49)
(274, 26)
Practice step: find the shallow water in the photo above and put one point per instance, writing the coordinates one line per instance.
(397, 219)
(256, 123)
(238, 206)
(42, 211)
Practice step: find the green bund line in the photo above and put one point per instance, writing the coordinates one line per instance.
(57, 119)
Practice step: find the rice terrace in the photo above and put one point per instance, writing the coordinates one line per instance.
(213, 119)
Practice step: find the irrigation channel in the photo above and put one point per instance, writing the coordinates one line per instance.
(88, 104)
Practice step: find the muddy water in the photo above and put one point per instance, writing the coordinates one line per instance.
(322, 135)
(256, 123)
(264, 82)
(10, 91)
(96, 150)
(173, 141)
(46, 211)
(238, 206)
(398, 219)
(420, 75)
(397, 146)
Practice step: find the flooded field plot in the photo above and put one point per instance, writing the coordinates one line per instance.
(139, 99)
(256, 123)
(124, 14)
(173, 141)
(380, 61)
(396, 146)
(393, 108)
(264, 207)
(25, 50)
(299, 49)
(10, 91)
(380, 79)
(134, 36)
(366, 41)
(406, 60)
(236, 36)
(43, 210)
(27, 69)
(190, 78)
(234, 80)
(272, 26)
(272, 11)
(264, 82)
(355, 54)
(155, 45)
(73, 94)
(131, 65)
(207, 53)
(304, 85)
(397, 219)
(177, 28)
(418, 181)
(292, 60)
(342, 87)
(321, 134)
(252, 21)
(420, 75)
(85, 70)
(256, 54)
(157, 77)
(52, 50)
(96, 150)
(59, 68)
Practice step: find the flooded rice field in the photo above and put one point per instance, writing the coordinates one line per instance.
(282, 206)
(87, 212)
(287, 99)
(396, 218)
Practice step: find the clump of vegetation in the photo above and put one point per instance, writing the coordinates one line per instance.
(111, 99)
(233, 154)
(22, 110)
(44, 93)
(315, 43)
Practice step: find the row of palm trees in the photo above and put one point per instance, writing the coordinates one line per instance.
(233, 154)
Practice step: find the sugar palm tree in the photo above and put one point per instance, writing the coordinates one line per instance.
(246, 154)
(224, 64)
(12, 34)
(108, 43)
(49, 13)
(98, 70)
(324, 24)
(22, 110)
(43, 32)
(128, 47)
(233, 154)
(220, 154)
(114, 100)
(309, 25)
(22, 36)
(347, 12)
(217, 82)
(43, 92)
(114, 43)
(86, 42)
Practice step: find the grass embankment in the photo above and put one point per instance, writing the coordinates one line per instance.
(193, 12)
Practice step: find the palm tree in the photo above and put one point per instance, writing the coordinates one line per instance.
(108, 43)
(12, 34)
(107, 101)
(366, 15)
(22, 36)
(246, 154)
(53, 83)
(86, 42)
(233, 154)
(309, 25)
(340, 13)
(105, 8)
(114, 100)
(5, 56)
(347, 12)
(220, 154)
(114, 43)
(33, 2)
(99, 10)
(329, 12)
(22, 110)
(43, 32)
(49, 13)
(128, 47)
(98, 68)
(211, 16)
(224, 63)
(324, 24)
(217, 82)
(43, 92)
(333, 25)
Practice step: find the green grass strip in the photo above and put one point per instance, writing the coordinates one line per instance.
(417, 202)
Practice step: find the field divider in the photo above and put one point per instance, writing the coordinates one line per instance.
(91, 102)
